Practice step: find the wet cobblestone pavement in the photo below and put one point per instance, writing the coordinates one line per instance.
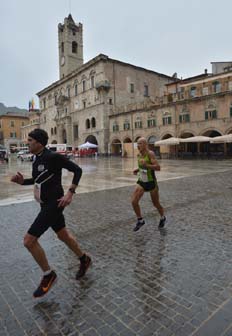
(172, 282)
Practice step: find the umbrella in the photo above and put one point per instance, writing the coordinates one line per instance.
(87, 145)
(222, 139)
(168, 142)
(198, 138)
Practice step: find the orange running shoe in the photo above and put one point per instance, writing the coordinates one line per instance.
(45, 284)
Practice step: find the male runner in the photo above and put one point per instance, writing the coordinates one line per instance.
(48, 191)
(147, 165)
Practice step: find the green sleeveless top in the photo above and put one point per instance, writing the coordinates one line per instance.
(145, 174)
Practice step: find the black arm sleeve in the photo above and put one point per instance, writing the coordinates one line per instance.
(28, 181)
(63, 162)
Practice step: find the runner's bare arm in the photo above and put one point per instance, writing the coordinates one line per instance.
(135, 171)
(154, 163)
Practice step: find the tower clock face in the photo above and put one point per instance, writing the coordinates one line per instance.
(62, 60)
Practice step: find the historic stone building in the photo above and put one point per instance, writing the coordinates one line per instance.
(33, 122)
(201, 105)
(77, 107)
(112, 103)
(10, 129)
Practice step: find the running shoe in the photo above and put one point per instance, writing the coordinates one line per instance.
(45, 284)
(84, 265)
(162, 222)
(138, 225)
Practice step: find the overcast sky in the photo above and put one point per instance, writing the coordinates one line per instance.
(169, 36)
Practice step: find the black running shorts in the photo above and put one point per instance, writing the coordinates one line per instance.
(49, 216)
(148, 186)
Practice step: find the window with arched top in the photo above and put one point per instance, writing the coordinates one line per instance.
(76, 89)
(93, 122)
(87, 123)
(92, 81)
(54, 130)
(83, 85)
(51, 131)
(74, 47)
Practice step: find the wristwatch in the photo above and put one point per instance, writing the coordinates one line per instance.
(72, 190)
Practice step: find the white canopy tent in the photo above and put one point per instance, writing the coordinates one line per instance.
(222, 139)
(198, 138)
(87, 145)
(168, 142)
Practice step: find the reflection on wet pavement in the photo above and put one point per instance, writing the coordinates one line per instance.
(170, 282)
(102, 174)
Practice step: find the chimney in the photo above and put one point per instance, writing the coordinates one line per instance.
(206, 71)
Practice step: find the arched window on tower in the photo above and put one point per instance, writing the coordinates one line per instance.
(62, 47)
(87, 123)
(93, 122)
(74, 47)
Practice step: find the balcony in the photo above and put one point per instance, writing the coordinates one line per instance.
(103, 85)
(61, 100)
(62, 114)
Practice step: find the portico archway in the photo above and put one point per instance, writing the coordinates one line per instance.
(166, 136)
(127, 147)
(151, 141)
(92, 139)
(213, 150)
(187, 147)
(116, 147)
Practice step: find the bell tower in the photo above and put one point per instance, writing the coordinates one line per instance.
(70, 37)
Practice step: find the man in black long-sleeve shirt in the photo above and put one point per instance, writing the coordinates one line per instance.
(48, 191)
